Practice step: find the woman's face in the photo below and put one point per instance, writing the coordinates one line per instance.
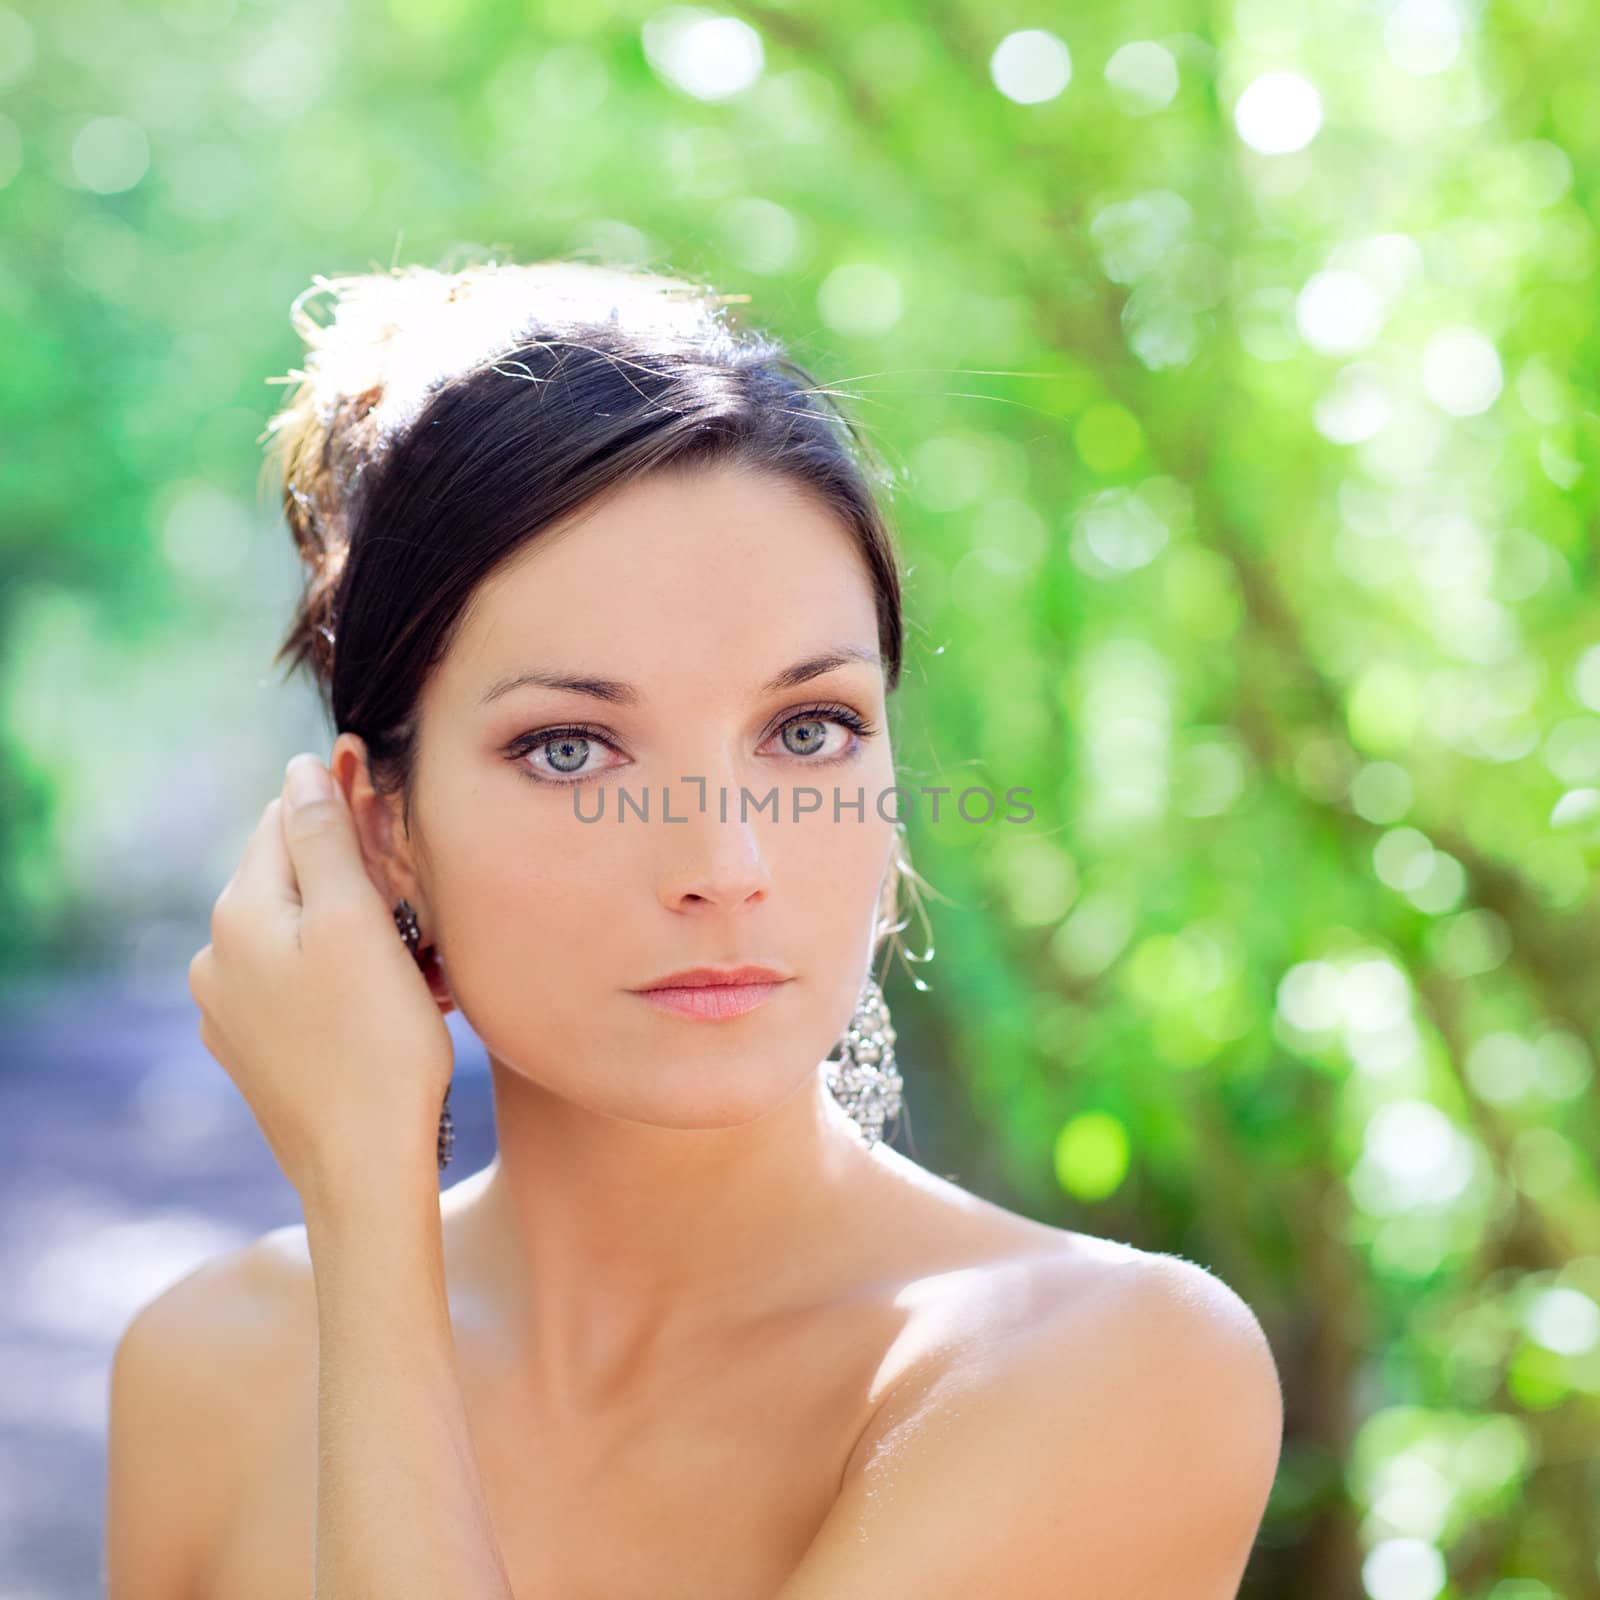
(695, 590)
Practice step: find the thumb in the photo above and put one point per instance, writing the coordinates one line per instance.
(321, 836)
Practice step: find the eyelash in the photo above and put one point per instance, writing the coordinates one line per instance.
(525, 744)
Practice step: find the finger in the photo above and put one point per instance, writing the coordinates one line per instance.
(265, 873)
(201, 967)
(324, 852)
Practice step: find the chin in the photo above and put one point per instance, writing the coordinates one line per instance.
(700, 1098)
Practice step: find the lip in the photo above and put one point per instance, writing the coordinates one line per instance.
(712, 1002)
(714, 994)
(715, 977)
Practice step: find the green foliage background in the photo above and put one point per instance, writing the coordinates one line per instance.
(1247, 499)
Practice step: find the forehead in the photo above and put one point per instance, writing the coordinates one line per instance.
(675, 570)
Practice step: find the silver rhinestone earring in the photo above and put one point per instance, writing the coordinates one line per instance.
(861, 1070)
(405, 919)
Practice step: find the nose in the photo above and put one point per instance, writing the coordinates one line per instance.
(712, 864)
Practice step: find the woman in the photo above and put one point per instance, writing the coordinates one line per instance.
(598, 591)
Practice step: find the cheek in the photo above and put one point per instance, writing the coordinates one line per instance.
(832, 886)
(526, 896)
(831, 866)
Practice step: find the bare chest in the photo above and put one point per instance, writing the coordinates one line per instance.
(713, 1488)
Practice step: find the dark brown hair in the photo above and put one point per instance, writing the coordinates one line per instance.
(443, 420)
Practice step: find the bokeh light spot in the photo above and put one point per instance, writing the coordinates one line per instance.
(1142, 77)
(1461, 371)
(1403, 1569)
(1030, 66)
(1091, 1155)
(1422, 37)
(860, 297)
(1278, 113)
(1108, 438)
(708, 56)
(1338, 312)
(110, 154)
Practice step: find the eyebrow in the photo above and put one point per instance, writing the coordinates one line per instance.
(624, 694)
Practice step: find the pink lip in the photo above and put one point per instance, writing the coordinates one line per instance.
(711, 1001)
(704, 977)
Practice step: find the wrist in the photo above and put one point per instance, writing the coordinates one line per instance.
(366, 1186)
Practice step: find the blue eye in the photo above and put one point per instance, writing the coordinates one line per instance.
(807, 721)
(569, 748)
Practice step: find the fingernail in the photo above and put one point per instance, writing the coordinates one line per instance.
(308, 780)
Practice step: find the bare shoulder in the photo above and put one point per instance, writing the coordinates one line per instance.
(1173, 1324)
(1055, 1295)
(1152, 1337)
(1093, 1415)
(230, 1314)
(195, 1389)
(1021, 1288)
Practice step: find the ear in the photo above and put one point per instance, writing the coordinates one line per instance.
(438, 984)
(386, 852)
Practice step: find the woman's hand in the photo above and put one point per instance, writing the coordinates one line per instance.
(314, 1006)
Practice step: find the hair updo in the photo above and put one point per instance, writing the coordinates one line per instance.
(444, 419)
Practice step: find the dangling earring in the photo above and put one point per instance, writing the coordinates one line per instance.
(405, 920)
(861, 1069)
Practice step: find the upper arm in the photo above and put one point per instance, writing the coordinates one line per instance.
(1124, 1450)
(180, 1415)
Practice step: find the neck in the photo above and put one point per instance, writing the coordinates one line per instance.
(614, 1245)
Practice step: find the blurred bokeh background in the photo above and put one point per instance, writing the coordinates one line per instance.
(1236, 364)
